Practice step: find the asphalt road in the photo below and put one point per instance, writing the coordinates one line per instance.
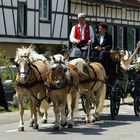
(126, 126)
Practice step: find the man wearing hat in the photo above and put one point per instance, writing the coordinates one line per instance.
(81, 35)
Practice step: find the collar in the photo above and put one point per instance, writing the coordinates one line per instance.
(80, 25)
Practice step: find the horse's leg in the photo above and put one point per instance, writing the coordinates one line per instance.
(21, 111)
(43, 110)
(35, 125)
(87, 119)
(71, 102)
(45, 116)
(62, 108)
(32, 117)
(100, 97)
(57, 117)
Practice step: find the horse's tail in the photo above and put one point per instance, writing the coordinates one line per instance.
(43, 107)
(70, 101)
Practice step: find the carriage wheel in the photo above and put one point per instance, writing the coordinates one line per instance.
(115, 99)
(137, 104)
(66, 110)
(83, 101)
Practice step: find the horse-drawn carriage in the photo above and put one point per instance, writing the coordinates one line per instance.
(120, 83)
(64, 80)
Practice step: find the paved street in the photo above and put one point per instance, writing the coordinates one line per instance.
(126, 126)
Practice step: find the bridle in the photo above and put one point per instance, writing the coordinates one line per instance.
(59, 83)
(34, 82)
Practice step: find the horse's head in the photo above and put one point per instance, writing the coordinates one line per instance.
(58, 74)
(23, 65)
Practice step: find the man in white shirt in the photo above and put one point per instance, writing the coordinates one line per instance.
(81, 35)
(103, 44)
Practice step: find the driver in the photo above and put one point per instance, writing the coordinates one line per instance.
(81, 35)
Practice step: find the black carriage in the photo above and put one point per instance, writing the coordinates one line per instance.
(119, 84)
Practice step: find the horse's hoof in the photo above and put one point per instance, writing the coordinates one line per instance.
(44, 121)
(56, 128)
(70, 126)
(87, 121)
(93, 120)
(31, 125)
(35, 126)
(63, 124)
(20, 128)
(98, 119)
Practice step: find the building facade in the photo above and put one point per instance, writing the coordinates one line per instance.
(47, 23)
(122, 16)
(40, 22)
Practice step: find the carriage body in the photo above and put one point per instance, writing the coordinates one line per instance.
(120, 83)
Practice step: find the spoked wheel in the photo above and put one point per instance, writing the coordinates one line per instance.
(115, 99)
(83, 101)
(137, 103)
(66, 110)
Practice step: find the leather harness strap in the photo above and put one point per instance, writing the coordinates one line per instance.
(95, 76)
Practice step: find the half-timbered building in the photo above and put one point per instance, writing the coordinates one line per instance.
(47, 23)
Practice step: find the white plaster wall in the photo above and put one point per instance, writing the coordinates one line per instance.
(9, 21)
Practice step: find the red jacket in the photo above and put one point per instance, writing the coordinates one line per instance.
(86, 33)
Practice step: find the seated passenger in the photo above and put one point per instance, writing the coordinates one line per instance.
(103, 44)
(125, 60)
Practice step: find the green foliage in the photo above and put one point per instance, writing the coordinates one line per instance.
(8, 72)
(13, 108)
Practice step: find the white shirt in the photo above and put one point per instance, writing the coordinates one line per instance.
(72, 34)
(101, 39)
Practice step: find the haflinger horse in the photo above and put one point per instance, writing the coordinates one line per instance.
(62, 83)
(32, 72)
(92, 84)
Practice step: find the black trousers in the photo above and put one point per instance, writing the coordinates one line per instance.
(3, 101)
(104, 58)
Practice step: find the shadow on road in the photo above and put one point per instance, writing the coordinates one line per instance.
(94, 128)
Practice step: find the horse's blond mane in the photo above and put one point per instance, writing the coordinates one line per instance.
(30, 53)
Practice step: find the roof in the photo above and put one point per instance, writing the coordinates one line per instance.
(130, 3)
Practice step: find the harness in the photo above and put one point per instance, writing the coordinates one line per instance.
(92, 79)
(30, 85)
(68, 84)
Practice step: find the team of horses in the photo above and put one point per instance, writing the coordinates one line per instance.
(59, 82)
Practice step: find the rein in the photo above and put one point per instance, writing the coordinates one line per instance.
(30, 85)
(68, 83)
(92, 79)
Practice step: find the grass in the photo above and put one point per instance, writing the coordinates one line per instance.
(13, 108)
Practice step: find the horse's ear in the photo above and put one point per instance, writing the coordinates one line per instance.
(32, 46)
(53, 58)
(66, 57)
(61, 59)
(22, 47)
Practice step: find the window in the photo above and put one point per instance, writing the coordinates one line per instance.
(120, 43)
(22, 19)
(44, 9)
(111, 31)
(131, 38)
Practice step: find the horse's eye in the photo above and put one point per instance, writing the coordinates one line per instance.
(53, 69)
(55, 78)
(17, 64)
(65, 69)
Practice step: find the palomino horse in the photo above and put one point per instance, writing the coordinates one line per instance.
(30, 82)
(92, 78)
(62, 83)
